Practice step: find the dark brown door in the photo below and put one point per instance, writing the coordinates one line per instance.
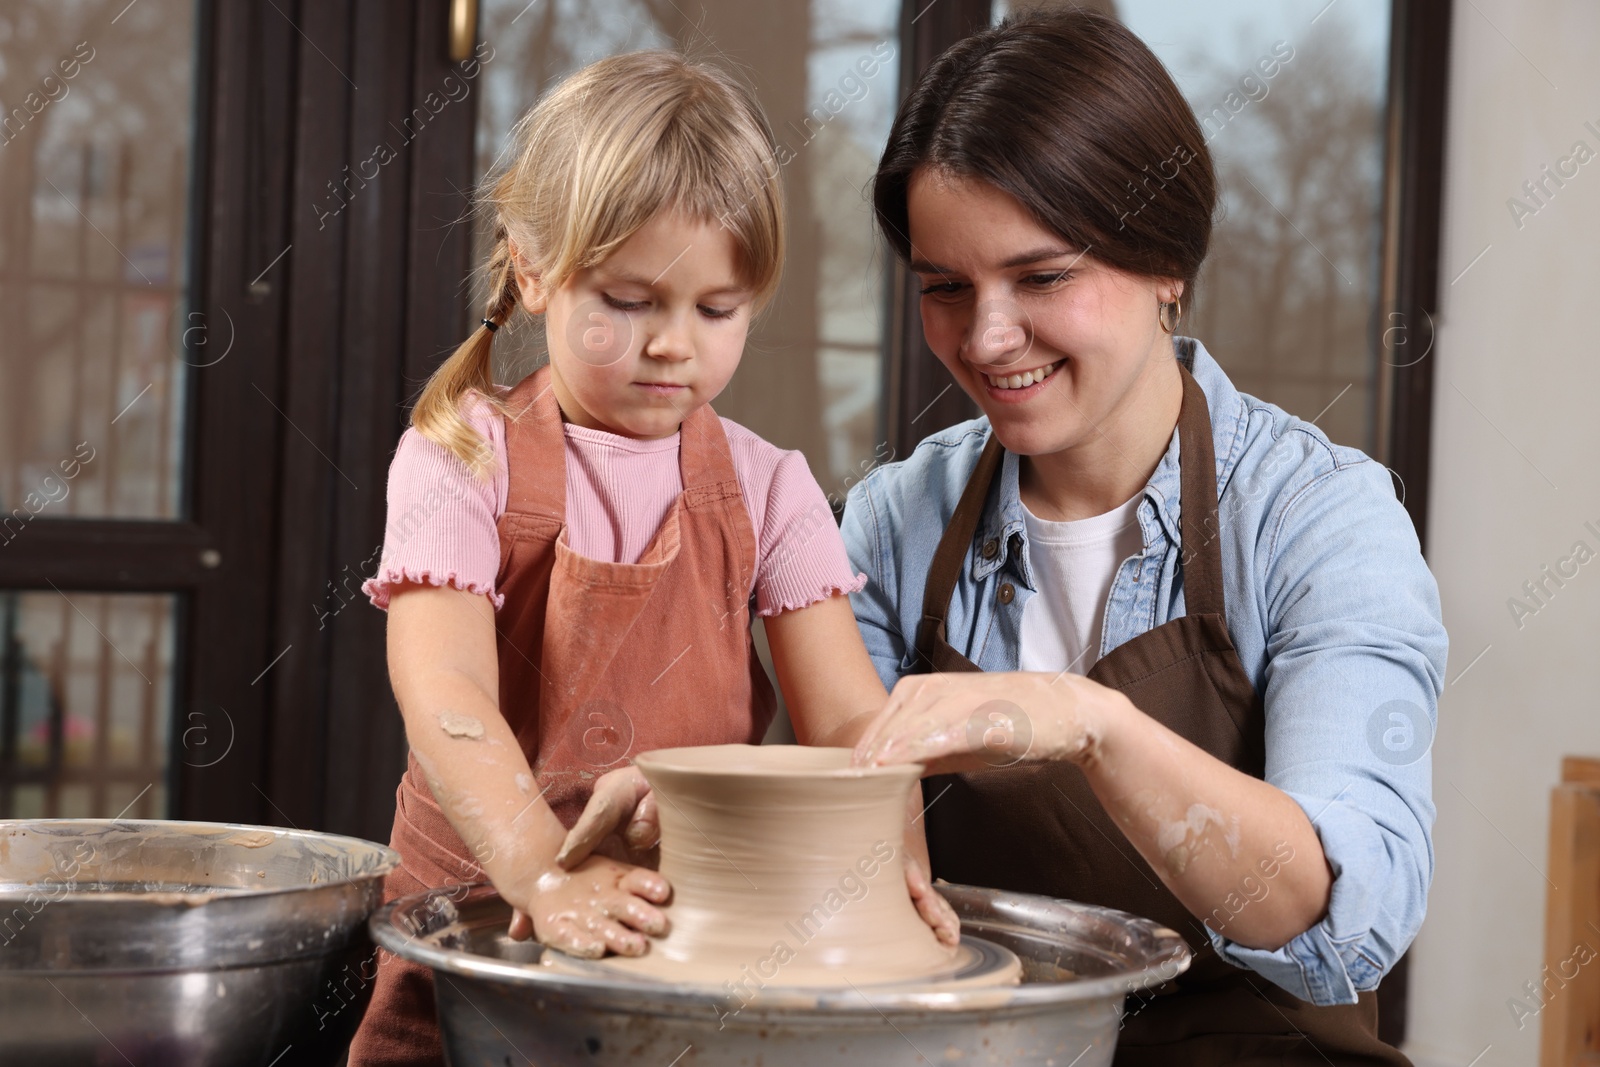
(218, 295)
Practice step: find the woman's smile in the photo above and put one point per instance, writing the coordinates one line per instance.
(1019, 386)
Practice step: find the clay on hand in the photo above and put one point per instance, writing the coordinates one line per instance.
(931, 719)
(621, 797)
(597, 906)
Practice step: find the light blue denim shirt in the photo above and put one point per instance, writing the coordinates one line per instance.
(1333, 611)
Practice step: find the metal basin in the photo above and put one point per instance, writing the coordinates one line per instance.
(180, 943)
(498, 1006)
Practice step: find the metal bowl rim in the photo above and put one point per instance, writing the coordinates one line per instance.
(1169, 958)
(388, 860)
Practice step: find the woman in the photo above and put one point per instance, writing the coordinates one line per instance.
(1172, 651)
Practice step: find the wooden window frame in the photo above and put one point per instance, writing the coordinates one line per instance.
(331, 326)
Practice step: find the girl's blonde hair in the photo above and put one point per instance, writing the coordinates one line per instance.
(593, 161)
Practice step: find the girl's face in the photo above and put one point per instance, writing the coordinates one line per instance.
(1055, 346)
(653, 332)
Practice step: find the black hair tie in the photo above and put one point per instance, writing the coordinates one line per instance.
(493, 325)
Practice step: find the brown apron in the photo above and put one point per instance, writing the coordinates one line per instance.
(1040, 829)
(598, 661)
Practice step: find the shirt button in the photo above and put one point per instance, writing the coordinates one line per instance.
(991, 548)
(1007, 592)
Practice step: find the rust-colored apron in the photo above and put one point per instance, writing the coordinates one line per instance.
(598, 661)
(1040, 829)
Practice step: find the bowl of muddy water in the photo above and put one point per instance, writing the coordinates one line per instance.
(179, 943)
(498, 1005)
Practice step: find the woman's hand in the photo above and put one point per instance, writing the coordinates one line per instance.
(970, 721)
(600, 904)
(621, 797)
(1200, 824)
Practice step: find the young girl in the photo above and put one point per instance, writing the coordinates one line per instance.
(571, 562)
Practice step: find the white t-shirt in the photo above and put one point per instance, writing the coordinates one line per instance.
(1074, 564)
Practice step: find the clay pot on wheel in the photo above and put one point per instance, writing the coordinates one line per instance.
(786, 869)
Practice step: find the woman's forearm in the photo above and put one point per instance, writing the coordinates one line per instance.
(1239, 853)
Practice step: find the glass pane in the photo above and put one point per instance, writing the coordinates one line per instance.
(95, 129)
(1290, 291)
(85, 705)
(811, 373)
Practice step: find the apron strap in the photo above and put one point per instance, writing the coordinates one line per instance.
(952, 551)
(1201, 559)
(705, 460)
(533, 429)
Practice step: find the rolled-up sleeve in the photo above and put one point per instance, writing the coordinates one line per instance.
(875, 603)
(1356, 664)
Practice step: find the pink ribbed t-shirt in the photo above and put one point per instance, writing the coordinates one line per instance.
(441, 526)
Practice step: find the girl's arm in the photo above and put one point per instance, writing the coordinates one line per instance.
(442, 663)
(832, 691)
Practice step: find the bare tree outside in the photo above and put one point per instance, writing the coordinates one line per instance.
(1288, 295)
(1287, 298)
(95, 128)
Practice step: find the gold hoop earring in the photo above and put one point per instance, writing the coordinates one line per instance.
(1161, 314)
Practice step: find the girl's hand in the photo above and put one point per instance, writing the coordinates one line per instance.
(971, 721)
(934, 909)
(620, 797)
(599, 905)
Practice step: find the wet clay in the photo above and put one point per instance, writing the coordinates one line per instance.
(1180, 842)
(458, 725)
(786, 870)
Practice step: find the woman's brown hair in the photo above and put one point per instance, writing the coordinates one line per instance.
(1073, 116)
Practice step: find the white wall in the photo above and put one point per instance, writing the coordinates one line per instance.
(1516, 474)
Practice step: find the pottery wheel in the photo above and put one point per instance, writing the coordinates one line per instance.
(976, 964)
(786, 868)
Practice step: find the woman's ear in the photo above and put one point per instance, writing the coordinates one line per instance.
(529, 286)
